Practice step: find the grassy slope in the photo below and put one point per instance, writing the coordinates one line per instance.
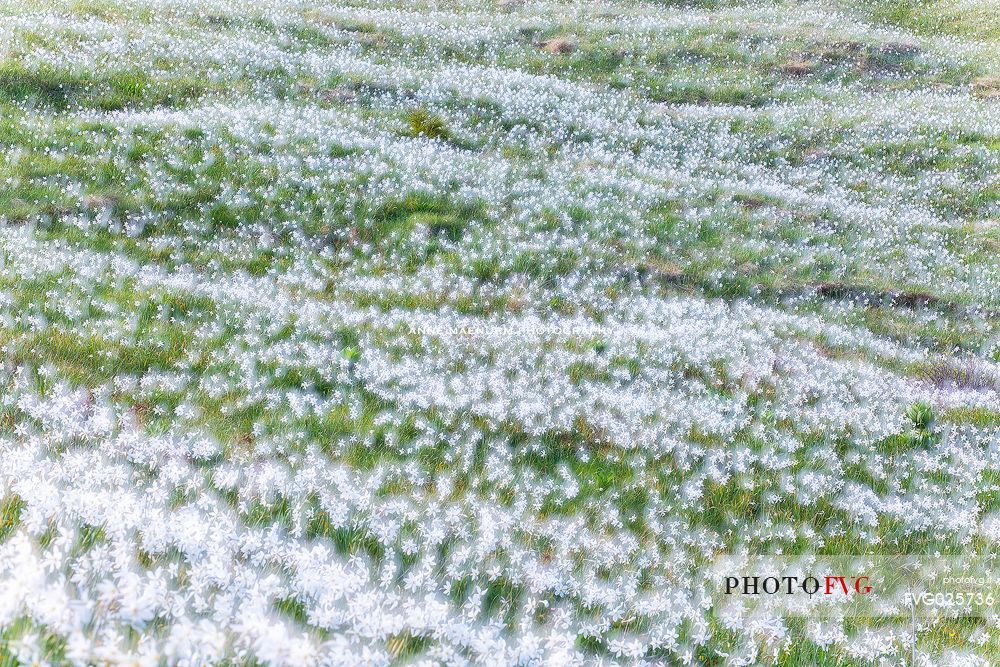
(972, 18)
(726, 255)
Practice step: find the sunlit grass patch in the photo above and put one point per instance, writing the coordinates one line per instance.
(968, 18)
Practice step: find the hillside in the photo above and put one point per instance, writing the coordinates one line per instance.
(466, 332)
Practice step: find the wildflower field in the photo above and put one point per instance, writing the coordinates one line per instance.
(465, 332)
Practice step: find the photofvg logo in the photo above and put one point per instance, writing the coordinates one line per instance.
(861, 586)
(792, 585)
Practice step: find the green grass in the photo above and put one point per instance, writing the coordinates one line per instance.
(108, 92)
(10, 515)
(974, 19)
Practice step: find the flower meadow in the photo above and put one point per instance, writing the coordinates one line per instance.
(454, 332)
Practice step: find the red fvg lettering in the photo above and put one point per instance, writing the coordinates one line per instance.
(830, 584)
